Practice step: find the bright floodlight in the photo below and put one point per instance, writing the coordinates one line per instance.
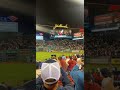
(76, 1)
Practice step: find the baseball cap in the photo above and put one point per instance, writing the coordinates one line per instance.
(50, 71)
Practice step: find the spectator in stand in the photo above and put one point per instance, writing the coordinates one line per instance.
(53, 57)
(101, 44)
(107, 82)
(71, 63)
(61, 45)
(17, 43)
(89, 84)
(77, 74)
(50, 75)
(63, 64)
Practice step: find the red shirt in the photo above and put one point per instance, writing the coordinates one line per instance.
(91, 86)
(97, 77)
(71, 63)
(63, 64)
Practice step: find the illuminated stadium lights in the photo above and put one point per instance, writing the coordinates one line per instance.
(41, 28)
(76, 1)
(78, 38)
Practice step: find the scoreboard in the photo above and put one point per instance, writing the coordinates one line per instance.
(39, 36)
(8, 27)
(8, 24)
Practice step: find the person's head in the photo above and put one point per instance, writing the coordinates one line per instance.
(63, 57)
(59, 58)
(53, 56)
(50, 74)
(66, 56)
(104, 72)
(80, 62)
(78, 56)
(71, 57)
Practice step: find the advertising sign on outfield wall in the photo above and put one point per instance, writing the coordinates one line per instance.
(115, 61)
(100, 60)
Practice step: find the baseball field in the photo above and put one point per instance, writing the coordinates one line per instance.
(41, 56)
(14, 74)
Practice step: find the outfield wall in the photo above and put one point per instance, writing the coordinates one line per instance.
(115, 61)
(45, 49)
(98, 60)
(16, 55)
(102, 60)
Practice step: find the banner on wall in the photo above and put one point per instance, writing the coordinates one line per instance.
(99, 60)
(103, 19)
(115, 61)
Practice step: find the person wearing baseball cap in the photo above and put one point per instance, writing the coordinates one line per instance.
(51, 73)
(53, 57)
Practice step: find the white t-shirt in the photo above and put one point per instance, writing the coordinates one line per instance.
(107, 84)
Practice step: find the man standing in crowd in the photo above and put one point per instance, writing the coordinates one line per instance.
(51, 72)
(63, 63)
(71, 63)
(77, 74)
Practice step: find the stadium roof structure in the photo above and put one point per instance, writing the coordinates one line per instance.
(60, 12)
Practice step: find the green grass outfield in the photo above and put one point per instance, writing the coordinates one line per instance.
(14, 74)
(41, 56)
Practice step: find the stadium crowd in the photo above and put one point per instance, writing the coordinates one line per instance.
(18, 42)
(61, 44)
(102, 79)
(102, 44)
(62, 73)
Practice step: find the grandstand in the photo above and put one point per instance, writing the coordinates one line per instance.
(102, 43)
(15, 51)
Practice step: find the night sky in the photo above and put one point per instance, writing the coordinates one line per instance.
(52, 12)
(26, 17)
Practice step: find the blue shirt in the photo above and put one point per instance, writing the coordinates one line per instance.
(78, 77)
